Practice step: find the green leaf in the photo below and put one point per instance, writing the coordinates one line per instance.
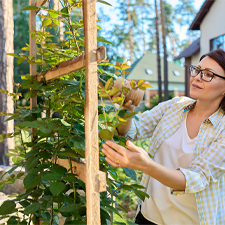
(70, 90)
(31, 209)
(46, 22)
(31, 163)
(99, 39)
(103, 94)
(12, 117)
(130, 173)
(2, 137)
(7, 207)
(64, 11)
(58, 170)
(53, 14)
(106, 134)
(70, 178)
(129, 115)
(20, 60)
(32, 180)
(57, 187)
(109, 84)
(69, 208)
(117, 100)
(14, 55)
(30, 8)
(69, 153)
(114, 91)
(52, 176)
(141, 194)
(104, 2)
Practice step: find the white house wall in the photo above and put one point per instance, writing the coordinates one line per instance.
(213, 25)
(195, 59)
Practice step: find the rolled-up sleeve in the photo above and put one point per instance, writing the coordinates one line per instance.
(144, 126)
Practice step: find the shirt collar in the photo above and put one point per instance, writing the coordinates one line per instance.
(215, 118)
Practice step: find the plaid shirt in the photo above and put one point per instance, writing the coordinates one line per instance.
(205, 176)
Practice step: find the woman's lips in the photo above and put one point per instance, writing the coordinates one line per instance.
(195, 86)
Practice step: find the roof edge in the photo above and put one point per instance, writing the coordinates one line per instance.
(195, 25)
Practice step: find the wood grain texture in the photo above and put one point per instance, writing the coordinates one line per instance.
(91, 113)
(40, 3)
(70, 66)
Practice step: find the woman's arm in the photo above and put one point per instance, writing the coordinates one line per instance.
(138, 159)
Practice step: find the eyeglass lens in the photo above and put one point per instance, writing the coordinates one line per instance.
(205, 74)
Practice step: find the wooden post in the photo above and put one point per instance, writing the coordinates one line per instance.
(33, 68)
(91, 113)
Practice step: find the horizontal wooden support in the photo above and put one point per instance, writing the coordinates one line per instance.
(70, 66)
(40, 3)
(80, 170)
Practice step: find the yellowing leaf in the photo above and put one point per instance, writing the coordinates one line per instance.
(133, 83)
(140, 82)
(125, 67)
(117, 99)
(114, 91)
(103, 94)
(126, 72)
(109, 84)
(117, 73)
(121, 119)
(117, 67)
(142, 88)
(147, 85)
(106, 134)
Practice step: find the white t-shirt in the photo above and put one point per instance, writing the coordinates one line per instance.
(162, 207)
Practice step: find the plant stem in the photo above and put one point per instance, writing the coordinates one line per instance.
(104, 112)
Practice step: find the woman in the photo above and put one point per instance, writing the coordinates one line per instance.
(186, 178)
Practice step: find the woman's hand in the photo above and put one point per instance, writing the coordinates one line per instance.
(134, 158)
(137, 158)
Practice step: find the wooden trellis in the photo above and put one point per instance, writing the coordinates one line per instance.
(89, 172)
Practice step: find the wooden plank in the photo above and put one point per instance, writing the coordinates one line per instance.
(80, 170)
(40, 3)
(33, 68)
(91, 113)
(70, 66)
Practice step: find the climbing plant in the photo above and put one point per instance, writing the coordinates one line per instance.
(50, 189)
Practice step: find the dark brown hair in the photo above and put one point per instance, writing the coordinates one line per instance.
(217, 55)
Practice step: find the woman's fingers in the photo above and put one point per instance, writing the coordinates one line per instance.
(120, 149)
(115, 164)
(132, 146)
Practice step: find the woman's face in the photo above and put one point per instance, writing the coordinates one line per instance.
(208, 91)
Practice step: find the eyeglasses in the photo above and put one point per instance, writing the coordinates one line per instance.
(206, 74)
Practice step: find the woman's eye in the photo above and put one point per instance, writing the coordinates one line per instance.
(208, 74)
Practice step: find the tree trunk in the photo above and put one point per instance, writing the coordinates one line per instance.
(158, 54)
(6, 75)
(130, 31)
(166, 94)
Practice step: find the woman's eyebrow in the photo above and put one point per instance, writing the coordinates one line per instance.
(206, 68)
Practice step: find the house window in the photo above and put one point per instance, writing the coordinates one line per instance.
(149, 71)
(176, 73)
(218, 42)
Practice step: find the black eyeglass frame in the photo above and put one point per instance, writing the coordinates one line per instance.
(214, 74)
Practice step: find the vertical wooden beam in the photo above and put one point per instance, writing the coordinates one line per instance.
(33, 68)
(91, 113)
(187, 76)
